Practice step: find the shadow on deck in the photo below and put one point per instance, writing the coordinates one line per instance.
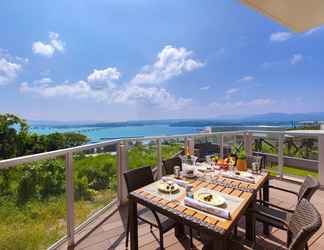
(108, 232)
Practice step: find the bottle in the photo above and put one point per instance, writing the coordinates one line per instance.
(189, 193)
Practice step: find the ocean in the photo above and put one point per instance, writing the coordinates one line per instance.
(97, 134)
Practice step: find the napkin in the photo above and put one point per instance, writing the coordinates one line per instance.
(239, 177)
(207, 208)
(181, 183)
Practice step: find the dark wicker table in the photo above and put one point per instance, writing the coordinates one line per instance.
(219, 228)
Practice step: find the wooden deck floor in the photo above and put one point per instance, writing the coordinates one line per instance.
(109, 234)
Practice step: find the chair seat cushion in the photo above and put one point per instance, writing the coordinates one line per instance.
(273, 212)
(147, 216)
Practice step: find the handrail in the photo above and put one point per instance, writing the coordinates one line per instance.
(62, 152)
(52, 154)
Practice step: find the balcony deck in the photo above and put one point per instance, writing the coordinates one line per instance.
(109, 230)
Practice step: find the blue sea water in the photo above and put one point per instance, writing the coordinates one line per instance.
(106, 133)
(96, 134)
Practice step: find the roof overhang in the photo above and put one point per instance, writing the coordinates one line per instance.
(297, 15)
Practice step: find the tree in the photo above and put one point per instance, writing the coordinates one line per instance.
(13, 132)
(74, 139)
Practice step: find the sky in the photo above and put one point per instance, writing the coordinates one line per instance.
(117, 60)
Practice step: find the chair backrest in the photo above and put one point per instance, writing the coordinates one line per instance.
(302, 225)
(138, 178)
(308, 188)
(206, 149)
(168, 165)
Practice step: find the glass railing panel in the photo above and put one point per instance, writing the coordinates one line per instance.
(33, 204)
(171, 148)
(142, 153)
(300, 156)
(95, 181)
(267, 145)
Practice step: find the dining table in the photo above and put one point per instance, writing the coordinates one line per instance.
(239, 194)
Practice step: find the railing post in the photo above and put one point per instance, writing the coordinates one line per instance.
(281, 154)
(189, 145)
(159, 159)
(321, 159)
(70, 198)
(221, 146)
(122, 166)
(248, 143)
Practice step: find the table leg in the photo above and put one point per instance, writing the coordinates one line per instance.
(250, 221)
(133, 224)
(266, 230)
(179, 230)
(216, 244)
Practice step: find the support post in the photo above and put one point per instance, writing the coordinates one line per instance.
(191, 146)
(122, 166)
(248, 140)
(70, 198)
(221, 146)
(159, 159)
(281, 154)
(321, 158)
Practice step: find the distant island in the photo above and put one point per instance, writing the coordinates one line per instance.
(268, 119)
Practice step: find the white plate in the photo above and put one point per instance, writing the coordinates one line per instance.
(163, 187)
(244, 174)
(216, 200)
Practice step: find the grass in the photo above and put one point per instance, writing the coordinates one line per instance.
(39, 224)
(294, 171)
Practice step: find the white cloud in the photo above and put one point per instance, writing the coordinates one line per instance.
(296, 58)
(230, 92)
(48, 49)
(241, 107)
(280, 36)
(100, 84)
(56, 42)
(171, 62)
(312, 31)
(205, 87)
(150, 95)
(104, 78)
(79, 89)
(8, 71)
(44, 80)
(246, 79)
(43, 49)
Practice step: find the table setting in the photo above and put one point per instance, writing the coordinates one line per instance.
(210, 195)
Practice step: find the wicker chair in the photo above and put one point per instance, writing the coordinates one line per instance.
(168, 165)
(273, 214)
(204, 149)
(301, 226)
(136, 179)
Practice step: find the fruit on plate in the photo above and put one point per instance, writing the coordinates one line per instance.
(220, 162)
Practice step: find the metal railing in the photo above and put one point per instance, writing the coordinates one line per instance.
(122, 162)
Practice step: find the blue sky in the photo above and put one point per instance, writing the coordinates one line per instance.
(141, 59)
